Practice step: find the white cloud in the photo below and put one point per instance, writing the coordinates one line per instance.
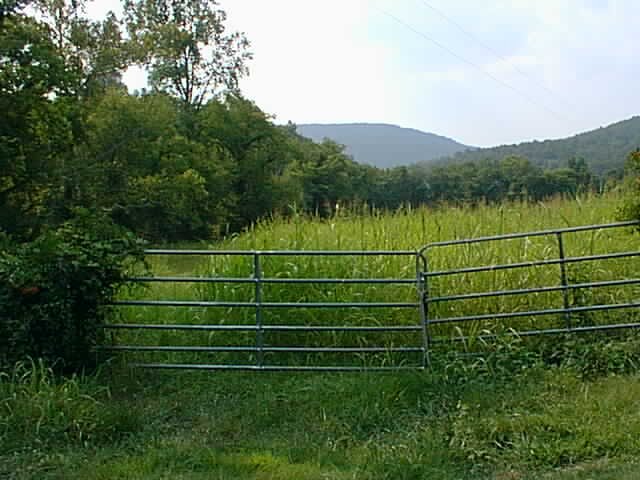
(346, 60)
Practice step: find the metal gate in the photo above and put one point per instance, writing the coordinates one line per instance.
(386, 340)
(570, 289)
(435, 305)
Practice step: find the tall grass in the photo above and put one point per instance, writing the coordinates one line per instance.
(405, 229)
(42, 410)
(568, 410)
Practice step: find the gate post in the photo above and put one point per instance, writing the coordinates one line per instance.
(257, 276)
(563, 279)
(421, 284)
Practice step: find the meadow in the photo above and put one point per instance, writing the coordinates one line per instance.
(563, 407)
(404, 230)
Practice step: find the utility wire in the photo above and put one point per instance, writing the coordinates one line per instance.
(491, 50)
(472, 64)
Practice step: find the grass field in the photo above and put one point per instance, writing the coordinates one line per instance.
(404, 230)
(565, 408)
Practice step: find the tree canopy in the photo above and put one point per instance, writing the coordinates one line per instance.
(187, 48)
(192, 158)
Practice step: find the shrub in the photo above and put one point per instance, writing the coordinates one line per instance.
(631, 208)
(55, 291)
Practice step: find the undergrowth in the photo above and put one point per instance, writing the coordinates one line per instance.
(41, 411)
(510, 410)
(513, 408)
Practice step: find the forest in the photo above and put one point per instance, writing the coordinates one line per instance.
(191, 157)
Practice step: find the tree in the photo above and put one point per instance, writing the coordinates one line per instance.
(11, 7)
(260, 152)
(35, 132)
(631, 208)
(96, 52)
(151, 178)
(327, 176)
(185, 45)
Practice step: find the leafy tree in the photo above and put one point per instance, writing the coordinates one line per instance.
(582, 174)
(261, 154)
(11, 7)
(519, 173)
(631, 208)
(187, 48)
(96, 52)
(327, 176)
(35, 132)
(140, 167)
(55, 290)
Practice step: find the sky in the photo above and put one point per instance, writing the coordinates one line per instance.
(481, 72)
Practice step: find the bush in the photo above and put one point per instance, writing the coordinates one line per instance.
(631, 208)
(55, 291)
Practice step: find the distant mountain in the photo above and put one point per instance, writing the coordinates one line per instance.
(384, 145)
(604, 149)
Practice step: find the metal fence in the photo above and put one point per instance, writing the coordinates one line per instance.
(565, 310)
(411, 340)
(260, 305)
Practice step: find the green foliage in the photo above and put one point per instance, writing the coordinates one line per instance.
(261, 155)
(153, 178)
(185, 44)
(327, 176)
(55, 290)
(35, 130)
(186, 162)
(631, 208)
(604, 149)
(563, 408)
(95, 52)
(40, 411)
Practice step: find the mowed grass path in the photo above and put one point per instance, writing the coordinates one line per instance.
(562, 409)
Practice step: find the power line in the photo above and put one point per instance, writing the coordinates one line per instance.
(491, 50)
(472, 64)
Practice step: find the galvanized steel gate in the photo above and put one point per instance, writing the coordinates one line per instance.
(563, 313)
(416, 336)
(262, 347)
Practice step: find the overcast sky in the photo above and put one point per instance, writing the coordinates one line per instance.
(482, 72)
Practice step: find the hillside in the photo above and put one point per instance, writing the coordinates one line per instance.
(384, 145)
(604, 149)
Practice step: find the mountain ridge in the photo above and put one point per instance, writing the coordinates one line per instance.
(383, 145)
(604, 148)
(386, 145)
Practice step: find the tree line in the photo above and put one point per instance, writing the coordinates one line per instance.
(190, 158)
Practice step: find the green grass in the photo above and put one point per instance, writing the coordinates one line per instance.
(460, 420)
(565, 408)
(402, 230)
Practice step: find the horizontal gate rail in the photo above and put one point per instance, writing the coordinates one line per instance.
(286, 253)
(162, 348)
(539, 263)
(539, 233)
(535, 313)
(521, 291)
(564, 286)
(548, 331)
(275, 328)
(268, 368)
(188, 303)
(346, 281)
